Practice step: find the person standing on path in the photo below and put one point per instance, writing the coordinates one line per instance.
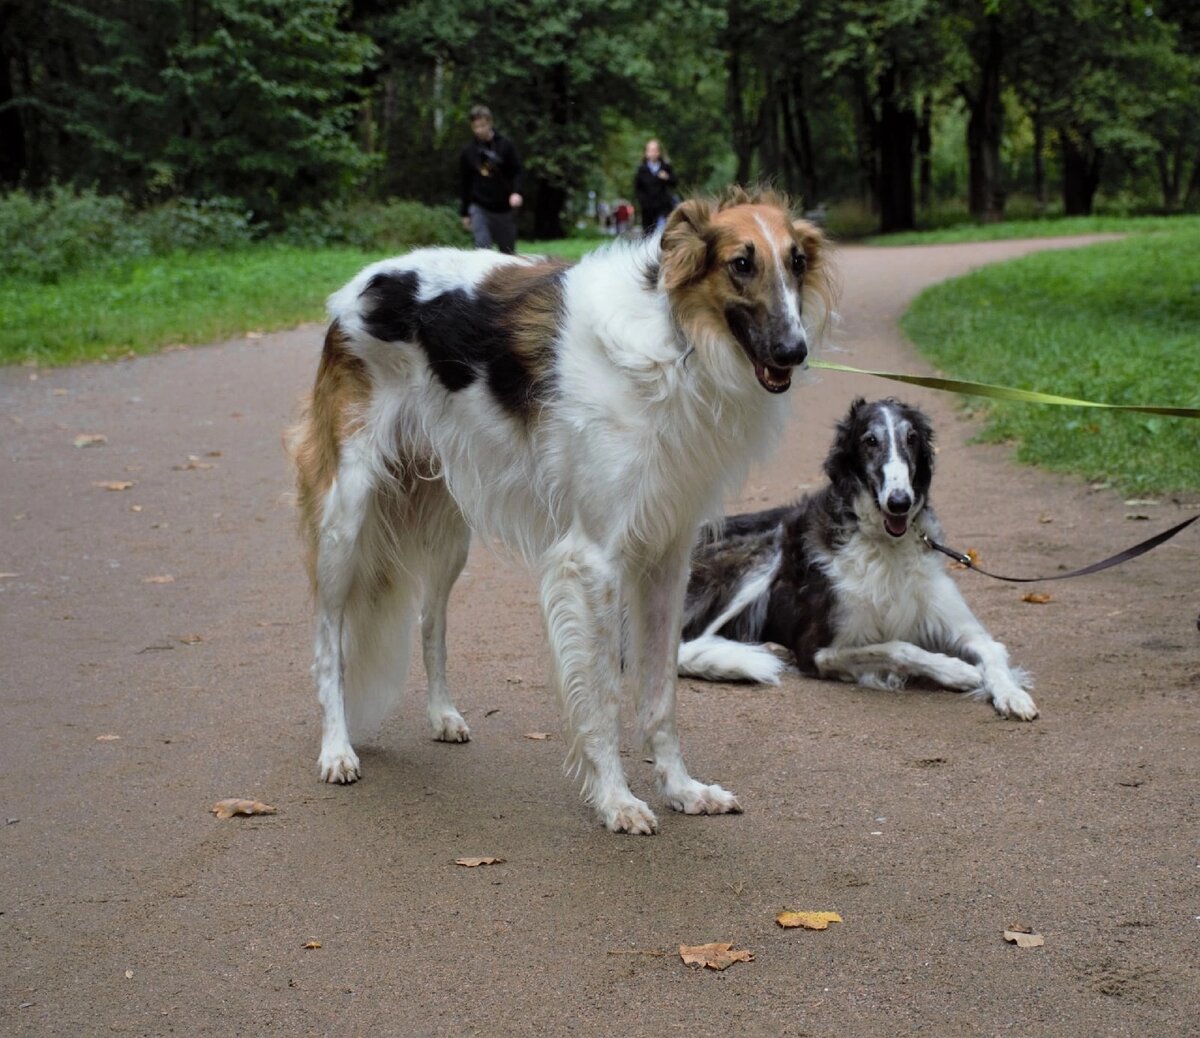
(491, 185)
(654, 183)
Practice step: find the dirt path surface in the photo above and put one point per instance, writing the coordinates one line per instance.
(130, 704)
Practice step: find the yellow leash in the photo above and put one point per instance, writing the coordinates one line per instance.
(953, 385)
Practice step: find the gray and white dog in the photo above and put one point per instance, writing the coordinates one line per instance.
(844, 580)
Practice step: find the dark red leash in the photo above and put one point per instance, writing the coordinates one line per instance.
(1095, 567)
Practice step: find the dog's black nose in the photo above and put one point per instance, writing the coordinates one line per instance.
(899, 502)
(789, 354)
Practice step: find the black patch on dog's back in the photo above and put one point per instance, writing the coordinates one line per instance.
(502, 336)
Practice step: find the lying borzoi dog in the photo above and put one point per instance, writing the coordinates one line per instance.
(588, 417)
(844, 580)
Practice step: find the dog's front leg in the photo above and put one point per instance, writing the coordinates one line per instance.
(581, 601)
(655, 617)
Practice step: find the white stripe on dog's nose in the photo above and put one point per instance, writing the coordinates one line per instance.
(895, 470)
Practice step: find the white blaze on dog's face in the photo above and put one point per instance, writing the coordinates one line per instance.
(740, 274)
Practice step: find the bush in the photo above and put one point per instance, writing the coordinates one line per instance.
(375, 226)
(43, 237)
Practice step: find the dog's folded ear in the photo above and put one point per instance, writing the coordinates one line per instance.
(686, 242)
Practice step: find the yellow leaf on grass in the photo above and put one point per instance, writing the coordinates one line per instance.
(718, 955)
(233, 806)
(1037, 597)
(114, 484)
(473, 863)
(808, 920)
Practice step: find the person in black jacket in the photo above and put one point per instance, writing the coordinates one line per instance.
(491, 185)
(654, 183)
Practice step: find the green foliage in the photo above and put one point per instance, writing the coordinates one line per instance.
(1115, 323)
(47, 237)
(375, 226)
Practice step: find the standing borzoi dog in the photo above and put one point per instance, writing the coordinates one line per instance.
(844, 580)
(590, 418)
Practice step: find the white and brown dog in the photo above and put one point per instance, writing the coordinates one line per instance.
(590, 417)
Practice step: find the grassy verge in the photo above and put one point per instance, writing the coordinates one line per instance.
(1060, 227)
(182, 298)
(1117, 322)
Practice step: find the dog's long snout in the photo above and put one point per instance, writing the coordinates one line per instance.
(899, 502)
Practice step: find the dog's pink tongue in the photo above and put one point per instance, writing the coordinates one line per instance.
(896, 525)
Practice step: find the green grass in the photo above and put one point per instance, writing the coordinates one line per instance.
(1049, 228)
(1117, 322)
(182, 298)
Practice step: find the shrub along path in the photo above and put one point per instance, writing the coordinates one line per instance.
(156, 646)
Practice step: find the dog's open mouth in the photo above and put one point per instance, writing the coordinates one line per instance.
(773, 380)
(896, 525)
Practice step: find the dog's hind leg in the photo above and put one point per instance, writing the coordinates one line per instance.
(446, 542)
(581, 602)
(656, 608)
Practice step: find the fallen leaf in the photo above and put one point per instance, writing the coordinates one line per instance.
(107, 738)
(190, 639)
(472, 863)
(808, 920)
(718, 955)
(1023, 936)
(254, 335)
(312, 945)
(1139, 502)
(1043, 518)
(90, 439)
(971, 554)
(8, 576)
(162, 578)
(194, 462)
(135, 508)
(114, 484)
(537, 736)
(233, 806)
(129, 974)
(1037, 597)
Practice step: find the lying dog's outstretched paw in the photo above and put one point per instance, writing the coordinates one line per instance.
(1017, 704)
(450, 727)
(698, 799)
(339, 765)
(628, 816)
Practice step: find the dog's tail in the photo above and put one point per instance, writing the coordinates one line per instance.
(719, 659)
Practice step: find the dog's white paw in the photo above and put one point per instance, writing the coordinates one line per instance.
(695, 798)
(1015, 703)
(449, 726)
(628, 815)
(339, 765)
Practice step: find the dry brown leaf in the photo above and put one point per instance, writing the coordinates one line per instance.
(808, 920)
(474, 863)
(312, 945)
(233, 806)
(107, 738)
(1037, 597)
(971, 554)
(114, 484)
(90, 439)
(537, 736)
(129, 974)
(135, 508)
(162, 578)
(718, 955)
(190, 639)
(1023, 936)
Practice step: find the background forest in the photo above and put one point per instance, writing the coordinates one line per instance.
(889, 113)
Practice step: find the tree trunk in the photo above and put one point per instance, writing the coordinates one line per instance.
(897, 128)
(1081, 175)
(985, 130)
(744, 135)
(1193, 191)
(547, 211)
(925, 153)
(866, 132)
(12, 133)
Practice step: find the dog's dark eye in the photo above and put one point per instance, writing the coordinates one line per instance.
(742, 265)
(871, 440)
(799, 262)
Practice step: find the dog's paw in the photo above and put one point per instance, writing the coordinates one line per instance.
(1016, 703)
(695, 798)
(340, 765)
(628, 816)
(449, 726)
